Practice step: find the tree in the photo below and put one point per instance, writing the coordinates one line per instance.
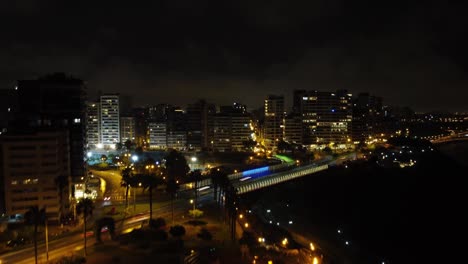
(119, 146)
(129, 145)
(139, 151)
(195, 176)
(150, 181)
(128, 180)
(171, 188)
(159, 223)
(177, 231)
(249, 144)
(85, 206)
(61, 182)
(283, 146)
(327, 150)
(35, 216)
(176, 165)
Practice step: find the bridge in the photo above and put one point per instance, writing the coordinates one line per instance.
(262, 177)
(262, 182)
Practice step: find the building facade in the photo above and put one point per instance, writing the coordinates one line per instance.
(177, 140)
(157, 135)
(293, 129)
(32, 163)
(222, 132)
(55, 101)
(273, 124)
(200, 119)
(110, 120)
(326, 117)
(92, 125)
(127, 128)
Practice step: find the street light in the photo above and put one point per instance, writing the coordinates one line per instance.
(192, 202)
(135, 158)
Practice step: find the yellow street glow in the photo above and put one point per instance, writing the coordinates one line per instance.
(312, 247)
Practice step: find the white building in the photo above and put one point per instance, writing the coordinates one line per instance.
(110, 120)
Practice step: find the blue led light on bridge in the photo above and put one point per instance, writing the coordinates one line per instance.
(255, 171)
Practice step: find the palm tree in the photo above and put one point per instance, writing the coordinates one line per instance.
(128, 144)
(150, 181)
(171, 188)
(128, 180)
(215, 181)
(86, 207)
(176, 167)
(35, 216)
(61, 182)
(195, 176)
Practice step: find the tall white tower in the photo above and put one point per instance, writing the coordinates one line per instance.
(110, 120)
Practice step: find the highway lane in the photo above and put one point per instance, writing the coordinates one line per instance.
(75, 243)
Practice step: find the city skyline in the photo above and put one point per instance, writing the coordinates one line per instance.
(409, 54)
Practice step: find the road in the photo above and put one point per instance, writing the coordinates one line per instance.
(75, 243)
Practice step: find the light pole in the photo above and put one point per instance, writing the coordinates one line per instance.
(46, 236)
(193, 203)
(134, 197)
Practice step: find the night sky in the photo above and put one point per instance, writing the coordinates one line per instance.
(412, 54)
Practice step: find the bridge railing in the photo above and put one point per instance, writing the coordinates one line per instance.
(235, 176)
(245, 187)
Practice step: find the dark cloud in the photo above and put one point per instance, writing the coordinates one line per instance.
(177, 51)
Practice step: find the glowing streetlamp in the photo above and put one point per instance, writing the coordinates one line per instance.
(312, 247)
(135, 158)
(193, 203)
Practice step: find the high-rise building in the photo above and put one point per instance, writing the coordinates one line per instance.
(32, 164)
(127, 128)
(8, 106)
(159, 112)
(55, 101)
(157, 135)
(273, 125)
(327, 117)
(367, 116)
(140, 114)
(293, 129)
(241, 130)
(222, 132)
(200, 118)
(92, 125)
(110, 120)
(177, 140)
